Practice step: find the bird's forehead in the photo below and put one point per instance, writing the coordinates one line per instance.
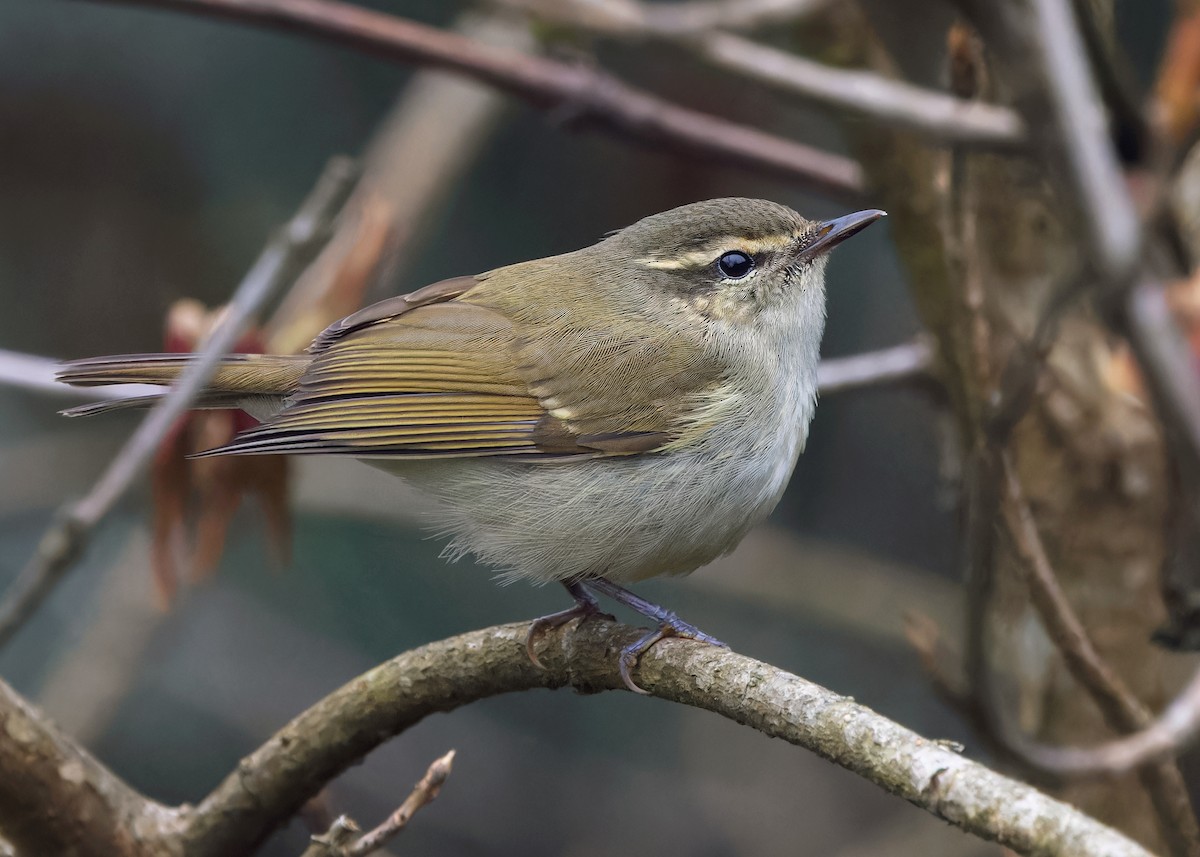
(763, 224)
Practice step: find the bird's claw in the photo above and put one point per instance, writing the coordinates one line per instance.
(581, 610)
(671, 627)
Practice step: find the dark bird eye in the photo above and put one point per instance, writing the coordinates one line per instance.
(735, 264)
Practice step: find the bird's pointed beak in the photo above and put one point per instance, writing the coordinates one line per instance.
(831, 233)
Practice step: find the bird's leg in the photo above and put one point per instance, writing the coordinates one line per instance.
(585, 605)
(669, 625)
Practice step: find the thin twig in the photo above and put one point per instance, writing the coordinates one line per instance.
(1046, 67)
(583, 95)
(67, 537)
(333, 842)
(1120, 707)
(936, 115)
(422, 794)
(1171, 733)
(686, 18)
(1123, 711)
(36, 375)
(910, 362)
(1157, 739)
(415, 159)
(270, 784)
(1039, 47)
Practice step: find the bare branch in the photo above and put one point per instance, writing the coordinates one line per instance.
(872, 96)
(580, 94)
(56, 798)
(691, 17)
(1156, 741)
(66, 538)
(274, 781)
(936, 115)
(1122, 710)
(344, 838)
(423, 794)
(907, 363)
(36, 374)
(1172, 732)
(1043, 56)
(1120, 706)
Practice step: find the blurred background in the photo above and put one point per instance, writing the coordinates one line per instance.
(146, 157)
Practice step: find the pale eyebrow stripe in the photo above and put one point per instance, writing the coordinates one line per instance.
(705, 256)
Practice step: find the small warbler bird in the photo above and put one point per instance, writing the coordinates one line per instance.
(597, 418)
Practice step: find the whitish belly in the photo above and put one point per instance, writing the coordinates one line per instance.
(626, 519)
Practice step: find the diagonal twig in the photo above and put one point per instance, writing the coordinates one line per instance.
(936, 115)
(67, 537)
(422, 794)
(1044, 57)
(1120, 707)
(1123, 711)
(1151, 741)
(344, 838)
(584, 95)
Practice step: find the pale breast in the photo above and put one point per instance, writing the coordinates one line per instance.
(627, 519)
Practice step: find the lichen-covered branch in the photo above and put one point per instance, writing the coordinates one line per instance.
(56, 798)
(272, 783)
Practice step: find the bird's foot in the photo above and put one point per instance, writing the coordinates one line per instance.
(669, 625)
(585, 606)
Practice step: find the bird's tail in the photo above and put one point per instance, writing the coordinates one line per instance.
(240, 378)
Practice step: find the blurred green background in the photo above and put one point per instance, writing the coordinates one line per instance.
(146, 157)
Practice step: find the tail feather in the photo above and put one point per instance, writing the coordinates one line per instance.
(241, 379)
(246, 374)
(218, 401)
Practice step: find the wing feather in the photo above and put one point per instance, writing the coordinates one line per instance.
(445, 371)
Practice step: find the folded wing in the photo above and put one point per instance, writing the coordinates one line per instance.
(428, 376)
